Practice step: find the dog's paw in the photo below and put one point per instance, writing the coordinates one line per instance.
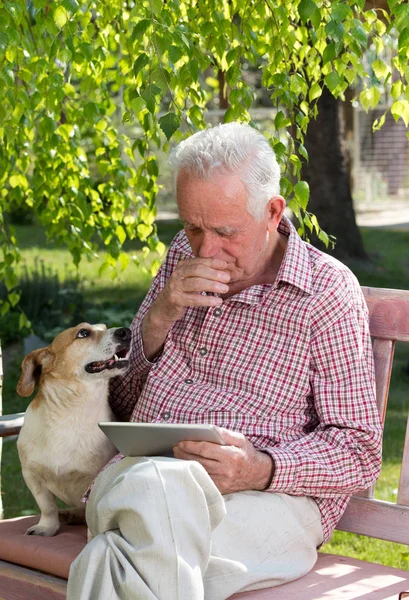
(41, 530)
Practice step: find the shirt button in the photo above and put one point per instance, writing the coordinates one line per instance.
(202, 351)
(217, 312)
(166, 415)
(188, 380)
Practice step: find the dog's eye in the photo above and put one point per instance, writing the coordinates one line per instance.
(83, 333)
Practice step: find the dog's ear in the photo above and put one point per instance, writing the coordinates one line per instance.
(35, 363)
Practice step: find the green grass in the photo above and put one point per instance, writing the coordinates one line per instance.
(127, 287)
(388, 267)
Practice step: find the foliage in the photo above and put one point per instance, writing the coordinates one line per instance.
(49, 301)
(90, 90)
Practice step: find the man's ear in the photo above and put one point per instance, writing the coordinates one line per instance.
(275, 208)
(37, 362)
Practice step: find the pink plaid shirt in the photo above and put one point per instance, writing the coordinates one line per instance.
(289, 365)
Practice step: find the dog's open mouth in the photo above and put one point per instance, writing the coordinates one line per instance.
(117, 361)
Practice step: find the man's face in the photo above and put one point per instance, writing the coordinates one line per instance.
(218, 225)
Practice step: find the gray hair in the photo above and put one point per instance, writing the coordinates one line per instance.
(232, 148)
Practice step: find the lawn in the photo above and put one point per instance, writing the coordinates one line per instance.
(388, 267)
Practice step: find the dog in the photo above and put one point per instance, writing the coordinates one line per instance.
(61, 447)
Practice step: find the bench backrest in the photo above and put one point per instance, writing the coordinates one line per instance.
(388, 324)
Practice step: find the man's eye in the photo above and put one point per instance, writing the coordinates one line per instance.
(83, 333)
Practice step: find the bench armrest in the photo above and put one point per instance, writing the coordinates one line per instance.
(11, 424)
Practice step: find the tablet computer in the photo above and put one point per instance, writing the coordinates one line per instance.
(156, 439)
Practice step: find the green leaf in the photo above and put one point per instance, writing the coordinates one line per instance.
(340, 12)
(335, 30)
(303, 152)
(359, 35)
(156, 6)
(315, 91)
(332, 80)
(61, 16)
(323, 237)
(149, 95)
(91, 111)
(71, 5)
(175, 53)
(280, 120)
(137, 104)
(396, 90)
(400, 109)
(169, 123)
(369, 98)
(316, 18)
(403, 40)
(302, 193)
(121, 234)
(23, 322)
(140, 29)
(377, 124)
(305, 9)
(380, 68)
(285, 187)
(194, 69)
(140, 63)
(123, 260)
(329, 53)
(14, 298)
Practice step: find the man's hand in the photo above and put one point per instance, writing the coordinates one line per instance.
(184, 288)
(235, 467)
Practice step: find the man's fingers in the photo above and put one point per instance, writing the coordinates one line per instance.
(198, 284)
(195, 268)
(233, 438)
(213, 467)
(214, 263)
(190, 299)
(209, 450)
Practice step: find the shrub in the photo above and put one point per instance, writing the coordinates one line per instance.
(48, 300)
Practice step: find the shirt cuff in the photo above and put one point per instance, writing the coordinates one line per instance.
(140, 364)
(285, 471)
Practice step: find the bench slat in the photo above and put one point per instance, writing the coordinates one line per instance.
(403, 491)
(11, 424)
(376, 518)
(20, 582)
(383, 351)
(389, 313)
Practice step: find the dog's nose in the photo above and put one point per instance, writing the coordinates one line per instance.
(123, 334)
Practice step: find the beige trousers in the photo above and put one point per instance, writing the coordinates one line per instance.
(163, 531)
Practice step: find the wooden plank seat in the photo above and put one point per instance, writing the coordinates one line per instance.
(34, 568)
(333, 577)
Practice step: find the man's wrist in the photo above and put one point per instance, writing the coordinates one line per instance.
(153, 333)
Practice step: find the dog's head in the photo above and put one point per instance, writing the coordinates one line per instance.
(81, 352)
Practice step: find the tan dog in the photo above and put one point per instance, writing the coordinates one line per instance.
(61, 447)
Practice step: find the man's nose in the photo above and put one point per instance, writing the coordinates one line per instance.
(209, 245)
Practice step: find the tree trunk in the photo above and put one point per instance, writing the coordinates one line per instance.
(328, 178)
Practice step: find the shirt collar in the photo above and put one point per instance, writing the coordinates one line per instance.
(295, 267)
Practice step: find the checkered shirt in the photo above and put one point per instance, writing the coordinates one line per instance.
(288, 364)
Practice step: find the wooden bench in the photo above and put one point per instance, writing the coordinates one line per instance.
(34, 568)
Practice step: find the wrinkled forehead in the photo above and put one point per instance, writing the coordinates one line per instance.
(67, 337)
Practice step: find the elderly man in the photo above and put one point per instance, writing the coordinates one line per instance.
(249, 328)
